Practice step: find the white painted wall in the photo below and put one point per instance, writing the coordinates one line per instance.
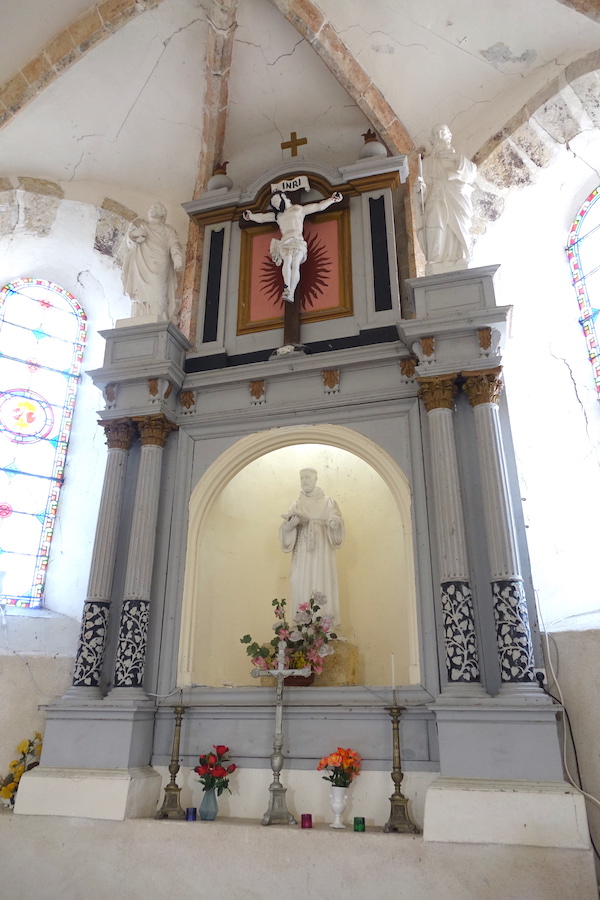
(554, 409)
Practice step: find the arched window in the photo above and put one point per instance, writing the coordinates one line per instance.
(42, 333)
(583, 251)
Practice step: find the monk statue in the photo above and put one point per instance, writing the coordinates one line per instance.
(443, 205)
(312, 530)
(149, 272)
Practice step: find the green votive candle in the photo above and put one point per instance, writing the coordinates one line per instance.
(359, 823)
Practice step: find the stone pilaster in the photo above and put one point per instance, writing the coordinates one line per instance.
(92, 641)
(462, 658)
(133, 627)
(513, 635)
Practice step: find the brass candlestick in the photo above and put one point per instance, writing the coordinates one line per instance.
(399, 819)
(171, 808)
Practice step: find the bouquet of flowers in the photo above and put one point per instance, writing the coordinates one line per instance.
(306, 639)
(30, 751)
(214, 771)
(343, 766)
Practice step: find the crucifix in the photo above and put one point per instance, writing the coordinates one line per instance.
(277, 812)
(290, 251)
(293, 143)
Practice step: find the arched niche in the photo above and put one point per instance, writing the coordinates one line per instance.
(234, 567)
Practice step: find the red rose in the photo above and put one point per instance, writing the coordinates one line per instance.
(212, 759)
(221, 749)
(231, 768)
(219, 772)
(202, 770)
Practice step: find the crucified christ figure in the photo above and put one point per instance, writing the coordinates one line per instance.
(290, 250)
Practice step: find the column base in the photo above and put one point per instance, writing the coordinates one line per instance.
(86, 733)
(481, 811)
(493, 738)
(89, 793)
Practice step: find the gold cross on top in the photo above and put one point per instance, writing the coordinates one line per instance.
(293, 143)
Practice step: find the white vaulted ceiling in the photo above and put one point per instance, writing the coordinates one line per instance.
(125, 118)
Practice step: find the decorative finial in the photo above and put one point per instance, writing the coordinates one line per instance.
(372, 146)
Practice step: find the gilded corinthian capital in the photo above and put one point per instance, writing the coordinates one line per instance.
(154, 430)
(483, 387)
(438, 392)
(120, 434)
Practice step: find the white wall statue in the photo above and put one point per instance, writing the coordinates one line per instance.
(312, 531)
(154, 256)
(443, 205)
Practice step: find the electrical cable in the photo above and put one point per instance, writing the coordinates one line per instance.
(560, 700)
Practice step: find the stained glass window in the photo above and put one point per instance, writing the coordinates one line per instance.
(42, 333)
(583, 252)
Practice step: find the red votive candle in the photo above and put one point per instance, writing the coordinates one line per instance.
(306, 820)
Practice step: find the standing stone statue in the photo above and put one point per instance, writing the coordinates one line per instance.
(154, 257)
(290, 251)
(312, 531)
(444, 208)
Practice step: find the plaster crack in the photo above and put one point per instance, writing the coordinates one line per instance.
(77, 164)
(168, 40)
(576, 392)
(282, 55)
(580, 157)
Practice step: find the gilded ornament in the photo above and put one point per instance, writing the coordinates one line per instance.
(257, 389)
(120, 434)
(110, 392)
(483, 387)
(331, 378)
(187, 399)
(154, 387)
(484, 336)
(438, 392)
(408, 366)
(154, 430)
(428, 345)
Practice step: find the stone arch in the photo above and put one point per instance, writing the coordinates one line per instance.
(99, 22)
(249, 449)
(515, 155)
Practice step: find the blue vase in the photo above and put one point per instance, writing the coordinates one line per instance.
(209, 806)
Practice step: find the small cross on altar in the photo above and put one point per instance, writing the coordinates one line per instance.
(293, 143)
(277, 812)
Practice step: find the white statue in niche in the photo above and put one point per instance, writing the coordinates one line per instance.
(149, 272)
(290, 251)
(312, 531)
(444, 208)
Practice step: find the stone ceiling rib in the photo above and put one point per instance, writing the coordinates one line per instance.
(314, 27)
(99, 22)
(589, 8)
(219, 49)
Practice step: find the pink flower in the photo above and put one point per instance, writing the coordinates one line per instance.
(259, 662)
(303, 607)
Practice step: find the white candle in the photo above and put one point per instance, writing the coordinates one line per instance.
(393, 674)
(420, 166)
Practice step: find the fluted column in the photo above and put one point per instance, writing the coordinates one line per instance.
(513, 633)
(133, 627)
(92, 640)
(462, 658)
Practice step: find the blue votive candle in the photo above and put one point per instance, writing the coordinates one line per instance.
(359, 823)
(190, 814)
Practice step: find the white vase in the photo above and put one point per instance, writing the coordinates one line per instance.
(338, 799)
